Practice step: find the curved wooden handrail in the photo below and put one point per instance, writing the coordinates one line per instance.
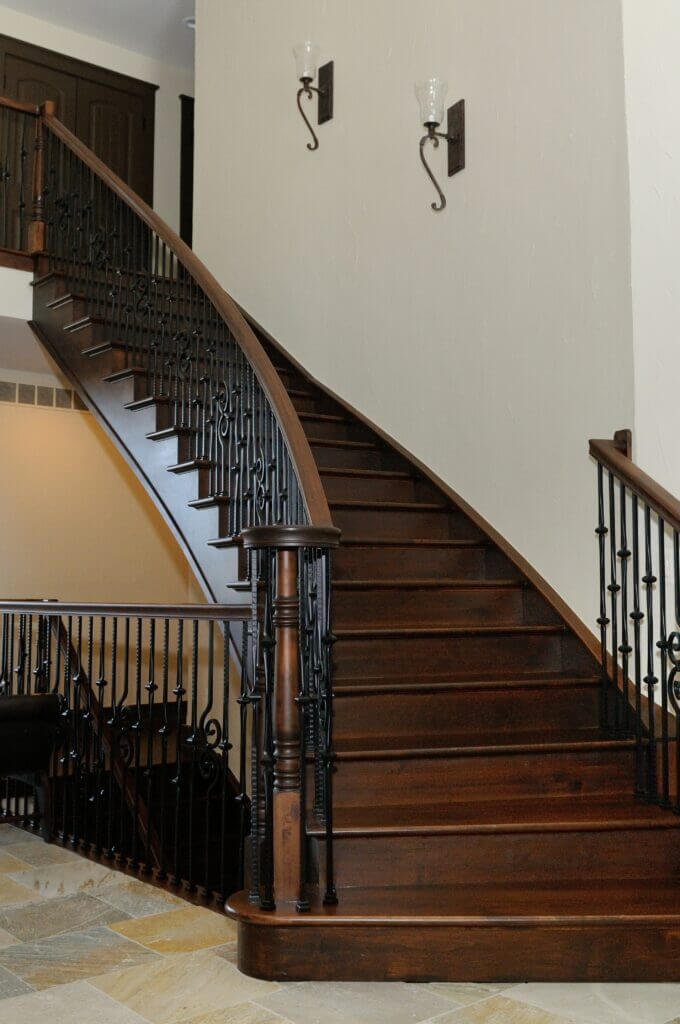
(23, 108)
(609, 454)
(301, 456)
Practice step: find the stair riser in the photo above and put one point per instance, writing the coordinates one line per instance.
(149, 418)
(350, 488)
(444, 525)
(313, 402)
(373, 656)
(437, 606)
(360, 562)
(417, 951)
(337, 431)
(412, 715)
(530, 858)
(410, 781)
(356, 458)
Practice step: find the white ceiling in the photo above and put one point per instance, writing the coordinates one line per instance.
(151, 27)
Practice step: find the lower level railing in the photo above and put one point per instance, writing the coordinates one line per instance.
(638, 534)
(188, 732)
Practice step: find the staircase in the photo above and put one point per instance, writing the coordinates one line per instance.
(479, 819)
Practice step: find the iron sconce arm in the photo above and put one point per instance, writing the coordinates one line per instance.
(325, 96)
(455, 140)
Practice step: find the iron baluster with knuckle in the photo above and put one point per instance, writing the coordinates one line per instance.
(640, 677)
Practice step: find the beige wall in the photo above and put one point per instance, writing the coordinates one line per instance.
(171, 81)
(492, 339)
(75, 523)
(651, 45)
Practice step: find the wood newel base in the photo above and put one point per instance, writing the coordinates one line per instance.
(286, 730)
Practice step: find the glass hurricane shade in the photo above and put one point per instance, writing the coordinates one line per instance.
(306, 59)
(431, 95)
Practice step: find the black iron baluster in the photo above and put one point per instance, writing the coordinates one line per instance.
(192, 739)
(224, 747)
(624, 648)
(99, 746)
(650, 679)
(137, 730)
(77, 733)
(177, 781)
(637, 616)
(326, 718)
(662, 645)
(163, 732)
(112, 723)
(124, 747)
(613, 589)
(151, 689)
(674, 655)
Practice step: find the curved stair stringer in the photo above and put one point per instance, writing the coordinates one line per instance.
(485, 827)
(149, 461)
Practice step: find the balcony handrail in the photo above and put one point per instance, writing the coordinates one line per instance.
(610, 454)
(202, 612)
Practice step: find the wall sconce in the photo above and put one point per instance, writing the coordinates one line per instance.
(306, 59)
(431, 95)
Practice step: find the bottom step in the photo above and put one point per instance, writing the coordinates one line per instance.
(585, 931)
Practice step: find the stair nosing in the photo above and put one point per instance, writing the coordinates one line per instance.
(484, 750)
(384, 632)
(342, 689)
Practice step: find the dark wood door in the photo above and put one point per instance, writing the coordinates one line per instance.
(31, 82)
(114, 123)
(111, 113)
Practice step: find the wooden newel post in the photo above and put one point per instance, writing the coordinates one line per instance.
(36, 228)
(287, 838)
(287, 767)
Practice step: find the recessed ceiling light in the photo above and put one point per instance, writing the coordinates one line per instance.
(189, 22)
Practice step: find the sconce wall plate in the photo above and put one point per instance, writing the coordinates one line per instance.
(325, 106)
(455, 123)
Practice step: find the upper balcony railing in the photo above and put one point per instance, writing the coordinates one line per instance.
(638, 534)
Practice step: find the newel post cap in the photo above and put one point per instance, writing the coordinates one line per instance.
(288, 537)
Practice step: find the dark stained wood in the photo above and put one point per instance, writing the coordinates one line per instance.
(656, 496)
(492, 934)
(15, 259)
(110, 112)
(186, 169)
(287, 809)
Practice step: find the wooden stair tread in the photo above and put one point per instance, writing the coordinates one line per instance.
(581, 901)
(129, 371)
(555, 814)
(381, 474)
(408, 684)
(363, 504)
(384, 632)
(186, 467)
(423, 542)
(479, 744)
(339, 442)
(435, 583)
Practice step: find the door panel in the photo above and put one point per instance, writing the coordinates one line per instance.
(111, 113)
(35, 83)
(114, 124)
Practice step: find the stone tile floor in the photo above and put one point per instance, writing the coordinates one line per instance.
(81, 944)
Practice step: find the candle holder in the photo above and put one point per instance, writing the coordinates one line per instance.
(306, 59)
(431, 95)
